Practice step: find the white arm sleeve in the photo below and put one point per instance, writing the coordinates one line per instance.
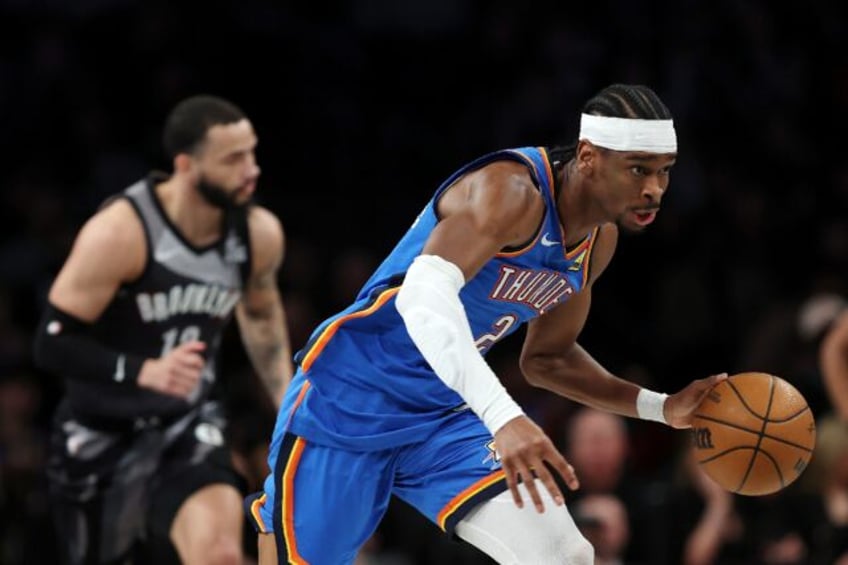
(430, 307)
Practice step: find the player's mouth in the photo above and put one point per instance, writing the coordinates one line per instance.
(247, 190)
(644, 217)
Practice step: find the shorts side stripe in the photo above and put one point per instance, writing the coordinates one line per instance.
(257, 516)
(485, 488)
(287, 503)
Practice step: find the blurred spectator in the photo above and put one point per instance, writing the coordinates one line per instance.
(602, 518)
(597, 447)
(706, 526)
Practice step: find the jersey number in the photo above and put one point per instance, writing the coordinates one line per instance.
(175, 337)
(499, 329)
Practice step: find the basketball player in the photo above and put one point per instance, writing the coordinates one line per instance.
(133, 324)
(393, 395)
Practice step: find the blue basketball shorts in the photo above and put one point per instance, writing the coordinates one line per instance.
(323, 503)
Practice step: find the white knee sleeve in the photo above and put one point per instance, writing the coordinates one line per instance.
(521, 536)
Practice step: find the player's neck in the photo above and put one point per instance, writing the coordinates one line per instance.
(578, 213)
(197, 220)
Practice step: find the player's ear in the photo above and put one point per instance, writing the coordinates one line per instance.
(586, 156)
(182, 163)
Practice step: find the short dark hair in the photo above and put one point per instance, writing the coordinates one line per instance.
(187, 124)
(627, 101)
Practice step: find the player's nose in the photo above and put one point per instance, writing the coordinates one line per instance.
(652, 191)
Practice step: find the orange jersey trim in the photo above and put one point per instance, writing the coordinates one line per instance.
(288, 503)
(300, 396)
(331, 329)
(582, 246)
(588, 258)
(466, 495)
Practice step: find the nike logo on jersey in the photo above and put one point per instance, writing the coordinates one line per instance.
(166, 254)
(548, 242)
(120, 372)
(234, 251)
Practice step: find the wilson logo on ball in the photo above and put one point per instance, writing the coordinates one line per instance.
(702, 438)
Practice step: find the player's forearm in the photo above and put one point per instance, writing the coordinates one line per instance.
(578, 376)
(65, 347)
(267, 344)
(436, 322)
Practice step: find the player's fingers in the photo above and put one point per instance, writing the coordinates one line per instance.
(547, 479)
(512, 483)
(174, 388)
(713, 380)
(187, 386)
(193, 346)
(706, 385)
(530, 485)
(192, 360)
(565, 470)
(185, 382)
(187, 376)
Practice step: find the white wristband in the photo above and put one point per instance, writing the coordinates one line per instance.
(650, 404)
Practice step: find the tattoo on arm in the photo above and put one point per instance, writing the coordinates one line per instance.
(265, 335)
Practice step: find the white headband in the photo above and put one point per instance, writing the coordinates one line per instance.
(628, 134)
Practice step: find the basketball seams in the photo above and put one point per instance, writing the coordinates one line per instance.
(744, 402)
(759, 435)
(788, 418)
(765, 435)
(728, 424)
(776, 466)
(725, 452)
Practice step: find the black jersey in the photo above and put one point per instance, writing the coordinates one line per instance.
(185, 293)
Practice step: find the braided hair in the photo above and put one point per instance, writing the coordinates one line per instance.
(617, 101)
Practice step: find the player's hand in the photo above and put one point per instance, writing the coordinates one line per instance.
(525, 450)
(177, 373)
(680, 406)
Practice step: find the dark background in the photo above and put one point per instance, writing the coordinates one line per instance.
(363, 107)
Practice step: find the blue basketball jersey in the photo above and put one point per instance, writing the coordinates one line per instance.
(363, 385)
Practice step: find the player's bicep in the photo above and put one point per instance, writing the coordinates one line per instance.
(261, 294)
(493, 208)
(107, 252)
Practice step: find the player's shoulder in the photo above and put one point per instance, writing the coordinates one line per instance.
(509, 187)
(116, 222)
(264, 224)
(267, 239)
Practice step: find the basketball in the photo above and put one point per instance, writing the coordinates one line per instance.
(754, 434)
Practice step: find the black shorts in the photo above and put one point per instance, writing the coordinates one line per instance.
(116, 492)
